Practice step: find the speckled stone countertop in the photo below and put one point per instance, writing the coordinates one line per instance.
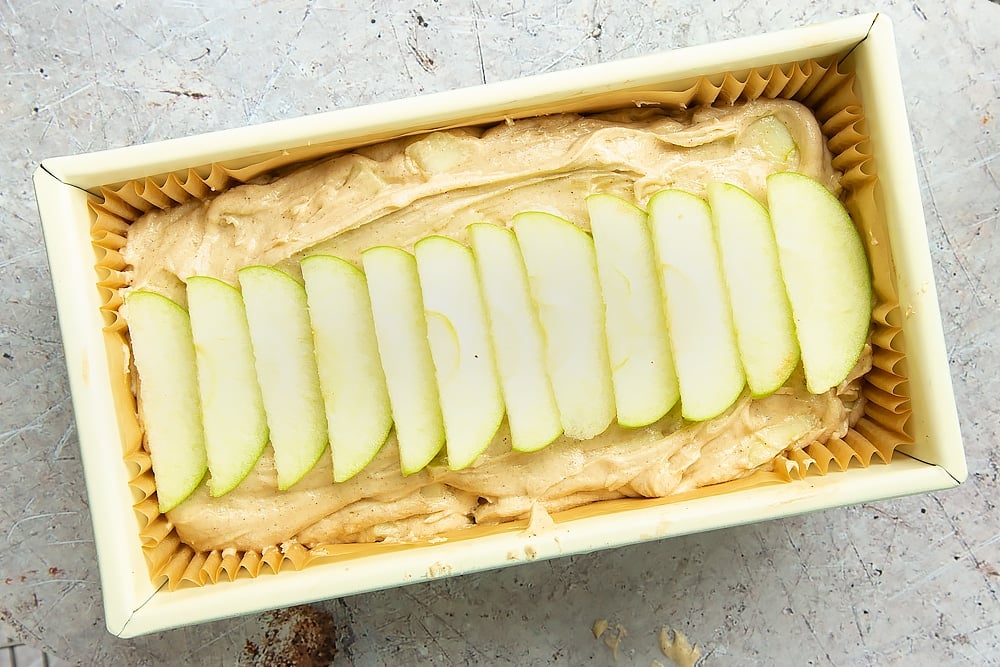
(910, 581)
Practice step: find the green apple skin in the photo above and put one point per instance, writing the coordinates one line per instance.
(401, 332)
(762, 316)
(826, 275)
(642, 368)
(278, 317)
(231, 403)
(358, 414)
(562, 274)
(457, 330)
(517, 337)
(163, 351)
(699, 317)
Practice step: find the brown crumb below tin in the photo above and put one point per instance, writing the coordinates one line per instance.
(676, 646)
(298, 636)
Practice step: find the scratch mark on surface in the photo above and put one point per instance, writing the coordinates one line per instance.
(986, 543)
(103, 116)
(200, 28)
(10, 36)
(819, 644)
(222, 635)
(45, 130)
(857, 625)
(72, 582)
(70, 95)
(929, 576)
(944, 231)
(66, 591)
(567, 54)
(305, 17)
(983, 161)
(57, 605)
(347, 639)
(784, 587)
(444, 621)
(430, 635)
(19, 378)
(892, 517)
(798, 553)
(111, 18)
(965, 545)
(989, 626)
(968, 555)
(63, 439)
(477, 13)
(7, 436)
(399, 47)
(18, 258)
(862, 562)
(268, 85)
(47, 515)
(987, 163)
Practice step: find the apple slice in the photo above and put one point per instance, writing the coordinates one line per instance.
(401, 332)
(231, 404)
(826, 274)
(762, 316)
(286, 369)
(358, 416)
(163, 350)
(698, 314)
(562, 274)
(458, 334)
(642, 368)
(769, 136)
(517, 338)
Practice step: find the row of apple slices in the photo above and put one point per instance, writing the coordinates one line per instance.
(563, 331)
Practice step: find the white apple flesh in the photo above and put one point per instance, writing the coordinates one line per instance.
(562, 274)
(762, 315)
(231, 403)
(642, 368)
(770, 137)
(286, 369)
(351, 379)
(458, 334)
(517, 338)
(699, 318)
(164, 356)
(826, 274)
(401, 332)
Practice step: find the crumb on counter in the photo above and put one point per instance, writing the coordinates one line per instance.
(612, 636)
(676, 646)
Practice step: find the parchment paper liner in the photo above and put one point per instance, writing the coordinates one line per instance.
(826, 86)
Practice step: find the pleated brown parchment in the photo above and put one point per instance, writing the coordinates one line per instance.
(826, 87)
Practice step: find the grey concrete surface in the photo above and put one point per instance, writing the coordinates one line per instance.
(910, 581)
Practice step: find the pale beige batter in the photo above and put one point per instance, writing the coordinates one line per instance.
(398, 192)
